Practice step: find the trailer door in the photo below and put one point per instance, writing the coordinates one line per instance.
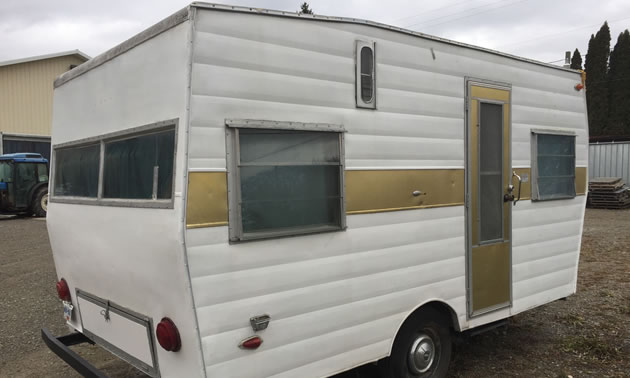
(488, 207)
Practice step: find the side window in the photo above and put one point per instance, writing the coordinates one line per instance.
(132, 168)
(76, 171)
(285, 182)
(553, 166)
(365, 75)
(140, 167)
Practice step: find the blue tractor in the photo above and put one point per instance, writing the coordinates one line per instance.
(23, 184)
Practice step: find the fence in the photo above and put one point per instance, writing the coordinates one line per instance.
(609, 160)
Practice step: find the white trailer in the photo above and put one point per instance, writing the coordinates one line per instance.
(239, 192)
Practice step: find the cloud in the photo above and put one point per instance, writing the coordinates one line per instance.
(536, 29)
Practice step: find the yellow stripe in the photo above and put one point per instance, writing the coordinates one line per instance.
(389, 190)
(207, 204)
(372, 191)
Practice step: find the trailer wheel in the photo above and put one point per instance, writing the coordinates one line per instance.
(422, 348)
(40, 203)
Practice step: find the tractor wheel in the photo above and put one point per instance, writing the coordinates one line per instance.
(40, 203)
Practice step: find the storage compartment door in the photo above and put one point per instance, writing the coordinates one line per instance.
(121, 331)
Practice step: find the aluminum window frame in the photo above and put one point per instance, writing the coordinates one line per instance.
(360, 103)
(235, 224)
(101, 140)
(535, 194)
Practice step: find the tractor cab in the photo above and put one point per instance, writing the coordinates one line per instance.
(23, 184)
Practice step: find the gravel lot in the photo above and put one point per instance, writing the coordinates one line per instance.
(587, 335)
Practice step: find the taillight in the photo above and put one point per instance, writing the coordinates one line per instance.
(168, 335)
(251, 343)
(63, 291)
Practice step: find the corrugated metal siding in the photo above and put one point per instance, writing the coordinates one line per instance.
(609, 160)
(26, 93)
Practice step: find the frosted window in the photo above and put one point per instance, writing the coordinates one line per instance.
(555, 166)
(490, 172)
(290, 182)
(367, 74)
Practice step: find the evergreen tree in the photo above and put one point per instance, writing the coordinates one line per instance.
(305, 8)
(596, 68)
(619, 87)
(576, 60)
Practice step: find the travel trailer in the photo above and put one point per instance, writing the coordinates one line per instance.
(240, 192)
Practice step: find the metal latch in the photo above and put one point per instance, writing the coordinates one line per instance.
(259, 322)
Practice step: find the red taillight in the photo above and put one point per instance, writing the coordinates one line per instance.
(167, 335)
(251, 343)
(63, 291)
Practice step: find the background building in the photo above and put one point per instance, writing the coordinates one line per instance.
(26, 96)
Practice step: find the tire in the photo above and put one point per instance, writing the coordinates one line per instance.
(424, 331)
(40, 203)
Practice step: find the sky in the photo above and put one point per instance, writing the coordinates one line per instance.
(537, 29)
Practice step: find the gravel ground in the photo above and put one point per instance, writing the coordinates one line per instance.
(587, 335)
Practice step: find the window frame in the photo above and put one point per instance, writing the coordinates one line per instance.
(358, 60)
(235, 224)
(535, 194)
(101, 140)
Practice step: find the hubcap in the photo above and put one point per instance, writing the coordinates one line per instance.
(44, 202)
(421, 354)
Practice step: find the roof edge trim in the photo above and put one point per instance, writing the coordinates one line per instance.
(46, 56)
(277, 13)
(162, 26)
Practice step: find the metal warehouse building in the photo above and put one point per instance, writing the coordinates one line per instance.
(26, 97)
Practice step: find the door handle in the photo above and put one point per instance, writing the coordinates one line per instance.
(520, 181)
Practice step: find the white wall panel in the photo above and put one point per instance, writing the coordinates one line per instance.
(342, 295)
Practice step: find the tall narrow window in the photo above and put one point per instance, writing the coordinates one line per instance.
(365, 81)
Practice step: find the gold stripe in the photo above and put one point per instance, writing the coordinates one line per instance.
(581, 185)
(390, 190)
(372, 191)
(207, 204)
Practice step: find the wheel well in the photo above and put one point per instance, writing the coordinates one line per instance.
(444, 309)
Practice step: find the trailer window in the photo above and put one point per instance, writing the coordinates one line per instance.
(553, 165)
(76, 171)
(288, 182)
(140, 167)
(365, 72)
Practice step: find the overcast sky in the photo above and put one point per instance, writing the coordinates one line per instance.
(536, 29)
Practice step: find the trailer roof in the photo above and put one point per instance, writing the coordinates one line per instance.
(184, 15)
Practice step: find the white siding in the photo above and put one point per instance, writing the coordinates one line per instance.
(342, 296)
(134, 257)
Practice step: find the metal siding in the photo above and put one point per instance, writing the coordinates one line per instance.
(132, 256)
(609, 160)
(26, 94)
(337, 299)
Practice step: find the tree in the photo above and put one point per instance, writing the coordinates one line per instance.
(305, 8)
(576, 60)
(596, 67)
(619, 87)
